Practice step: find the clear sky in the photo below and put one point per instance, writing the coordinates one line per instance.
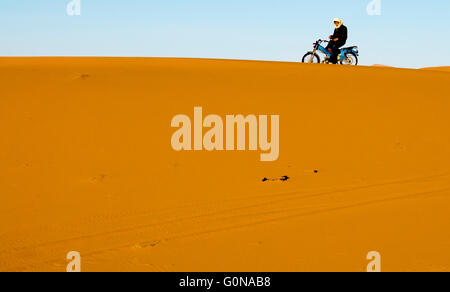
(408, 33)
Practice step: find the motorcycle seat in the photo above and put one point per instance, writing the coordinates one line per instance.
(350, 48)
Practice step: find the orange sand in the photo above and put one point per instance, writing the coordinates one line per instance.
(445, 69)
(380, 65)
(86, 165)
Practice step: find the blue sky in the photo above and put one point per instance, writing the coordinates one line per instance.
(408, 33)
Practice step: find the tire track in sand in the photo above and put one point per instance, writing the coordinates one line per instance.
(195, 225)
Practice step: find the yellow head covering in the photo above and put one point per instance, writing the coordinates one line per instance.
(339, 21)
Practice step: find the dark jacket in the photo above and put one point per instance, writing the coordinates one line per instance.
(341, 34)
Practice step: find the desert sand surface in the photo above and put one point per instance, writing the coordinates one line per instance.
(87, 166)
(381, 65)
(444, 69)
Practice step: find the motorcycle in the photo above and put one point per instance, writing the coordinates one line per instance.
(347, 56)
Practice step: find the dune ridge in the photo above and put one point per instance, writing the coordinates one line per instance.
(87, 166)
(442, 69)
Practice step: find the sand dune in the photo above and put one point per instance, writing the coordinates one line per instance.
(381, 65)
(445, 69)
(87, 165)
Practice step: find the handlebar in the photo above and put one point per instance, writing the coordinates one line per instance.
(321, 41)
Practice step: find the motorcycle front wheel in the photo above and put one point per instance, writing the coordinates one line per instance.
(311, 58)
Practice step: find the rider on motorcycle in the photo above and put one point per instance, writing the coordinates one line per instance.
(337, 40)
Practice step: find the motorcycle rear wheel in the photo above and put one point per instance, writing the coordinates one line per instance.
(350, 59)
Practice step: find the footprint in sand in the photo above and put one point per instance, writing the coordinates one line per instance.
(99, 179)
